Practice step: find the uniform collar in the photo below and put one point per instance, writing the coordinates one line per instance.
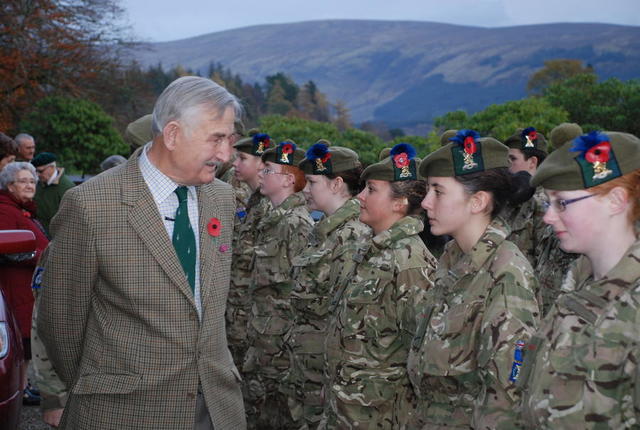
(493, 236)
(348, 211)
(407, 226)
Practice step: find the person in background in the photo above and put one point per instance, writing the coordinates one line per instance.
(52, 185)
(552, 262)
(582, 370)
(527, 149)
(282, 234)
(112, 161)
(8, 150)
(247, 166)
(135, 281)
(26, 147)
(463, 361)
(18, 212)
(374, 314)
(138, 133)
(333, 180)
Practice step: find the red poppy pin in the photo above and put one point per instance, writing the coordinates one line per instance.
(214, 227)
(401, 160)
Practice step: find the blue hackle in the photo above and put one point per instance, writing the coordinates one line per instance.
(317, 150)
(463, 134)
(403, 147)
(587, 141)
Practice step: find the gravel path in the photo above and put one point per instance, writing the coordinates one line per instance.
(31, 419)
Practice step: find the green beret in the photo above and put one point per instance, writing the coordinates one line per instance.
(286, 153)
(384, 153)
(563, 133)
(444, 137)
(43, 158)
(528, 138)
(467, 153)
(589, 160)
(324, 159)
(255, 144)
(400, 165)
(138, 132)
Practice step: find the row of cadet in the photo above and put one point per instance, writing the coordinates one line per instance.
(530, 317)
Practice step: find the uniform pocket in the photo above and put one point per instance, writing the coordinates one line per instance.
(451, 342)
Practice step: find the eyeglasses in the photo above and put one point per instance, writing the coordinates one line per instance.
(560, 205)
(26, 181)
(266, 171)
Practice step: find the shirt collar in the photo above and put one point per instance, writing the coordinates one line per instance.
(160, 185)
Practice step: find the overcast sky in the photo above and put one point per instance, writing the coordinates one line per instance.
(163, 20)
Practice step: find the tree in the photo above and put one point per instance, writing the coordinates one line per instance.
(53, 46)
(342, 119)
(502, 120)
(78, 131)
(608, 105)
(555, 71)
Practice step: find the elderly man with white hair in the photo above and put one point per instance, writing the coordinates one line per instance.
(52, 185)
(135, 281)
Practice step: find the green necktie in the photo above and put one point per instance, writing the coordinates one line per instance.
(184, 241)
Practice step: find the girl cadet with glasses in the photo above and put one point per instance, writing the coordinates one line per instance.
(370, 331)
(464, 360)
(282, 234)
(581, 369)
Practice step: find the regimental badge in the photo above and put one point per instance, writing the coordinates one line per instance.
(596, 158)
(404, 166)
(261, 142)
(466, 152)
(286, 149)
(529, 137)
(320, 155)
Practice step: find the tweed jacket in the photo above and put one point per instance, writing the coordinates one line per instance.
(117, 315)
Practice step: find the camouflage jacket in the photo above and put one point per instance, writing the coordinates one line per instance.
(525, 221)
(461, 360)
(551, 266)
(370, 332)
(282, 234)
(585, 373)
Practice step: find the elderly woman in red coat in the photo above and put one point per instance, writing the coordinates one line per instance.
(17, 212)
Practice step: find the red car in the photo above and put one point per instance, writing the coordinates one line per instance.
(14, 244)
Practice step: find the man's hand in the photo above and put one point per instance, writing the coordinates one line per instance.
(52, 416)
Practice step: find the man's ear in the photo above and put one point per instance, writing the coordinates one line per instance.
(170, 134)
(480, 202)
(532, 163)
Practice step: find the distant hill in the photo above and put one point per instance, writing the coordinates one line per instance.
(405, 73)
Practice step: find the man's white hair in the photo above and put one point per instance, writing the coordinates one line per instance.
(189, 92)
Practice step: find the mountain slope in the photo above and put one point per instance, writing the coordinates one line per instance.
(405, 72)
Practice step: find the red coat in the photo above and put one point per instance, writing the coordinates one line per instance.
(15, 278)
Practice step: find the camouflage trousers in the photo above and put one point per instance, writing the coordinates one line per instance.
(303, 387)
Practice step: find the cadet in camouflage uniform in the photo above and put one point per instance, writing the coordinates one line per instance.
(584, 361)
(282, 234)
(527, 150)
(483, 303)
(247, 166)
(371, 328)
(552, 262)
(333, 179)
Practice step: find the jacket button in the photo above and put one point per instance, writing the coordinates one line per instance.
(192, 316)
(191, 395)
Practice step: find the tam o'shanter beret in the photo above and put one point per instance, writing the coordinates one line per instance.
(43, 158)
(286, 153)
(529, 138)
(563, 133)
(324, 159)
(384, 153)
(138, 132)
(400, 165)
(255, 144)
(589, 160)
(467, 153)
(446, 136)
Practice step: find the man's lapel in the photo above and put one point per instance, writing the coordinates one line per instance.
(145, 220)
(209, 245)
